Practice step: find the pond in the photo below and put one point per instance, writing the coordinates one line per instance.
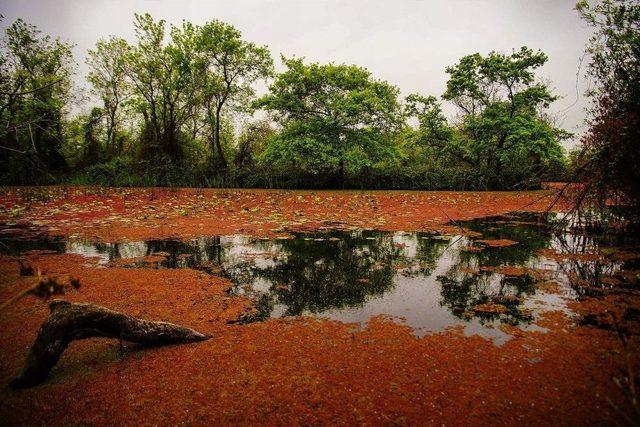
(497, 271)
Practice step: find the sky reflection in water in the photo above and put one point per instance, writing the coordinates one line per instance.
(424, 281)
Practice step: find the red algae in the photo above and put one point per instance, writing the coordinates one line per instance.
(292, 370)
(114, 214)
(497, 243)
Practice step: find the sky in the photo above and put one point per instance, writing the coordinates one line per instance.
(408, 43)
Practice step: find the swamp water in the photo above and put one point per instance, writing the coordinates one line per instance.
(425, 281)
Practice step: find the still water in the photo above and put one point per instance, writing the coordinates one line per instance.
(425, 281)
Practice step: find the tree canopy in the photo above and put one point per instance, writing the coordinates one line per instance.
(35, 72)
(336, 118)
(110, 84)
(178, 105)
(227, 67)
(503, 115)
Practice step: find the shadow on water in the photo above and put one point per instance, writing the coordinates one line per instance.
(428, 282)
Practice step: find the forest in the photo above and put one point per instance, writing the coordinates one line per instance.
(179, 107)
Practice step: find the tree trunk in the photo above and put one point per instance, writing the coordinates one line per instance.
(216, 140)
(497, 177)
(111, 132)
(68, 322)
(497, 184)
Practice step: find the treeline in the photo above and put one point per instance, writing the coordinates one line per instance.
(178, 106)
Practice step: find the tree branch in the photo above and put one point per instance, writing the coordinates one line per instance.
(68, 322)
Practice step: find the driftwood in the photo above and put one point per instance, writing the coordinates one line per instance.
(68, 322)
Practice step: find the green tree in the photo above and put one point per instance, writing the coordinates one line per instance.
(504, 115)
(107, 75)
(162, 75)
(35, 72)
(227, 68)
(336, 118)
(435, 137)
(252, 142)
(432, 124)
(435, 146)
(92, 150)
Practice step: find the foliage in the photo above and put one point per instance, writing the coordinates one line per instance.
(252, 142)
(609, 163)
(161, 74)
(110, 83)
(175, 106)
(336, 119)
(227, 67)
(35, 73)
(125, 171)
(183, 82)
(503, 117)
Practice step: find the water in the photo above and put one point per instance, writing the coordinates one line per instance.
(425, 281)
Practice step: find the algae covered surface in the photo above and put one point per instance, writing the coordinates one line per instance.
(325, 307)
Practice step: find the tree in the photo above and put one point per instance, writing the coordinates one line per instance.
(335, 117)
(503, 114)
(252, 142)
(228, 68)
(437, 147)
(433, 126)
(35, 84)
(108, 78)
(92, 152)
(609, 163)
(162, 76)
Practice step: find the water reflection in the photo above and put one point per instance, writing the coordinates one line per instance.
(329, 271)
(470, 288)
(425, 281)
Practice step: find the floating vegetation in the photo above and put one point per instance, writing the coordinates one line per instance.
(502, 270)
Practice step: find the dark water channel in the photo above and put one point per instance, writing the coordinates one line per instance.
(425, 281)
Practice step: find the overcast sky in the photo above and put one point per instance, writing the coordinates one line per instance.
(406, 42)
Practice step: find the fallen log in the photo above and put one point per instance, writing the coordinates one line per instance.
(68, 322)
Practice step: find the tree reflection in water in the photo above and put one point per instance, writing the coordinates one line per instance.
(466, 286)
(429, 281)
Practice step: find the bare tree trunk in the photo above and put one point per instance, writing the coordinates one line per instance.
(68, 322)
